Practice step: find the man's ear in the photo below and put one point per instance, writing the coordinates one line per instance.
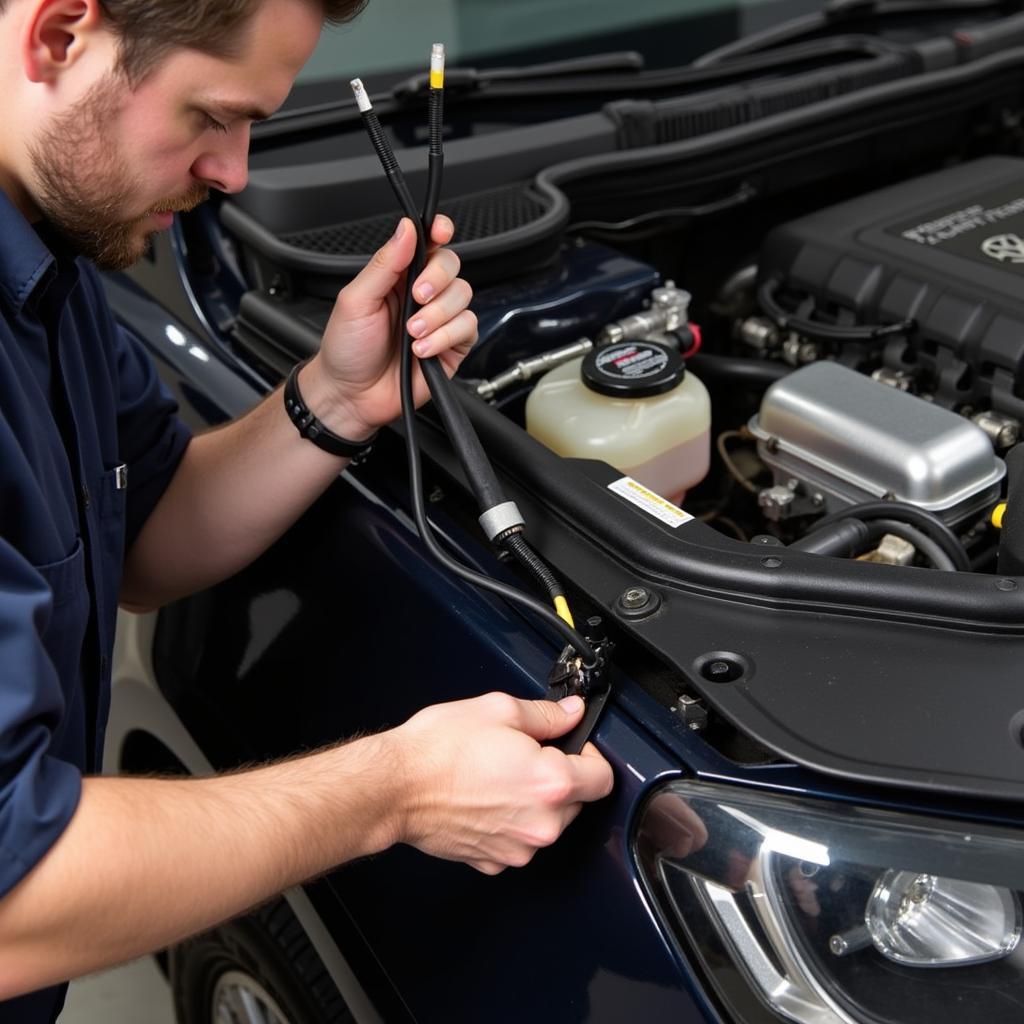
(55, 35)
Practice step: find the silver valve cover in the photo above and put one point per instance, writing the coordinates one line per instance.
(841, 438)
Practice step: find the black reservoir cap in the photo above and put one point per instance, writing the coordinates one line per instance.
(633, 369)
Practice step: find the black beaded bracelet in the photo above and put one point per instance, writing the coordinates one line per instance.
(312, 429)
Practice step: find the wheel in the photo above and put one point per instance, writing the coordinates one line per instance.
(259, 969)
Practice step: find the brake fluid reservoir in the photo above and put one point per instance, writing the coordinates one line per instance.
(633, 405)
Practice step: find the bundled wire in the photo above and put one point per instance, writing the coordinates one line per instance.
(766, 297)
(500, 518)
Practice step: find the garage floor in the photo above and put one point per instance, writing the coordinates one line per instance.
(134, 994)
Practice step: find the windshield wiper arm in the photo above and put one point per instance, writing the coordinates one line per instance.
(473, 79)
(836, 14)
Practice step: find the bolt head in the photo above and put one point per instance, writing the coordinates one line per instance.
(635, 597)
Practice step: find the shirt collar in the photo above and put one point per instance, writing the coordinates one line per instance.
(26, 260)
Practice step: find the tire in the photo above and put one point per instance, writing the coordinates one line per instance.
(259, 969)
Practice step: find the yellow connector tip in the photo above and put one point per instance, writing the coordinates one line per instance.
(437, 66)
(562, 607)
(997, 515)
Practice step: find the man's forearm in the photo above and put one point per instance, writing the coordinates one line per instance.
(147, 862)
(238, 488)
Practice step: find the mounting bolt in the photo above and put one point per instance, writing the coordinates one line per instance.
(637, 603)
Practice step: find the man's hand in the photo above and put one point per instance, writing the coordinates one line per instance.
(482, 789)
(238, 488)
(353, 385)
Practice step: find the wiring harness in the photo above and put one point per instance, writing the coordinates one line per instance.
(500, 518)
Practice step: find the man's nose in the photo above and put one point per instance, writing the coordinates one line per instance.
(225, 166)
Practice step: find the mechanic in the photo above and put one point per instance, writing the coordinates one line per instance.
(117, 113)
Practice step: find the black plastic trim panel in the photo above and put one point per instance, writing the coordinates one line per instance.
(870, 672)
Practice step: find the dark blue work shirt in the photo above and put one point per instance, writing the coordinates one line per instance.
(89, 439)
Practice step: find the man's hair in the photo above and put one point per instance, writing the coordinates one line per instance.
(148, 30)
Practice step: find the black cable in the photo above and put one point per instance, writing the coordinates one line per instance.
(435, 157)
(622, 229)
(456, 422)
(819, 331)
(482, 479)
(573, 637)
(928, 523)
(487, 498)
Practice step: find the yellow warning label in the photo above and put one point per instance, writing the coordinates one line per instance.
(652, 503)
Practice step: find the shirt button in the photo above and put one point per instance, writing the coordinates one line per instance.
(86, 498)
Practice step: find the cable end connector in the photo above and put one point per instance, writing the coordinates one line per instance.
(502, 520)
(437, 66)
(362, 99)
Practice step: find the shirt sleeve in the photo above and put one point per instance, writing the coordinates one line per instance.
(151, 436)
(38, 792)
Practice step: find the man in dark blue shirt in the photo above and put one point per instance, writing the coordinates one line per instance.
(117, 113)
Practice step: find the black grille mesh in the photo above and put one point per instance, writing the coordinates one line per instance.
(480, 215)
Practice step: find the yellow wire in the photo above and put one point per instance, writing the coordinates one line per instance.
(562, 607)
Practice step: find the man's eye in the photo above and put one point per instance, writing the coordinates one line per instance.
(213, 123)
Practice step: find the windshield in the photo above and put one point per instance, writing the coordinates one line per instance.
(395, 35)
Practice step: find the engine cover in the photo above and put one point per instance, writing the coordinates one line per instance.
(946, 251)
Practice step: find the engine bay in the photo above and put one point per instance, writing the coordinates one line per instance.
(874, 352)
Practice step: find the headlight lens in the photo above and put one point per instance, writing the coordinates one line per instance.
(829, 914)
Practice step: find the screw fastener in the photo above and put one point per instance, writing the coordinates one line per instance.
(637, 603)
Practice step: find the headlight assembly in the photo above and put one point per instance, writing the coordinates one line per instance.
(824, 913)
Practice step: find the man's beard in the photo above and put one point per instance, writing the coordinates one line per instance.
(85, 185)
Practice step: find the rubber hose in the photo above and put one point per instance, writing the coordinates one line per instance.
(928, 523)
(848, 538)
(841, 539)
(755, 372)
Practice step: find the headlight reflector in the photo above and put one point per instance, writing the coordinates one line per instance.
(927, 921)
